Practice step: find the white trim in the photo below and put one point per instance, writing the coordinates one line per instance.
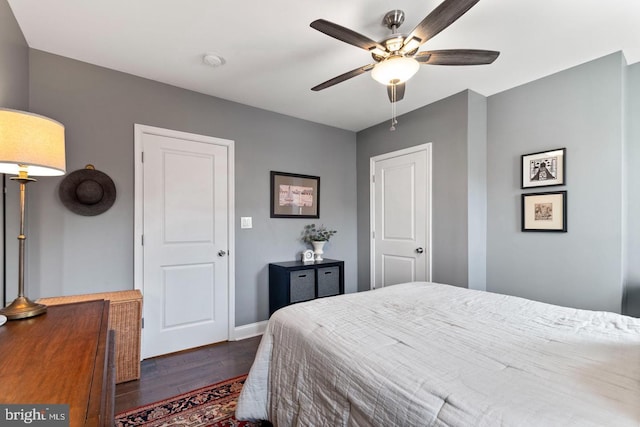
(372, 217)
(249, 331)
(138, 205)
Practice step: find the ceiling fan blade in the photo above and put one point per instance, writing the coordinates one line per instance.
(399, 92)
(343, 77)
(346, 35)
(457, 57)
(440, 18)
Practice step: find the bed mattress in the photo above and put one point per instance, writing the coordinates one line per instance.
(425, 354)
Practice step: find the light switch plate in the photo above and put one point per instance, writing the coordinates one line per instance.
(245, 222)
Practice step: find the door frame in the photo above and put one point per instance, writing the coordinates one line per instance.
(138, 228)
(427, 147)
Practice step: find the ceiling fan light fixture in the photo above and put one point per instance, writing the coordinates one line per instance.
(394, 70)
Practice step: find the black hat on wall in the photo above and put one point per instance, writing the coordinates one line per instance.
(87, 191)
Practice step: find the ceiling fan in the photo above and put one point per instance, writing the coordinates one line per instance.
(397, 58)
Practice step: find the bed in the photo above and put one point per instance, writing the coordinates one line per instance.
(426, 354)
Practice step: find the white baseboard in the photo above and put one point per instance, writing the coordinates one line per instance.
(250, 330)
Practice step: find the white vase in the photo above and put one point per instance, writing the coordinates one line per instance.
(317, 250)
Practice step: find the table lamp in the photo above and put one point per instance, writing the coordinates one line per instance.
(30, 145)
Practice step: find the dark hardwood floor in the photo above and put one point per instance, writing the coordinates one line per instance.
(166, 376)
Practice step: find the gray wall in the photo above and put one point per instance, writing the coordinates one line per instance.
(580, 109)
(477, 192)
(14, 93)
(632, 175)
(14, 62)
(443, 123)
(70, 254)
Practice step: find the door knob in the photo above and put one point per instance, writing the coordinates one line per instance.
(420, 250)
(222, 253)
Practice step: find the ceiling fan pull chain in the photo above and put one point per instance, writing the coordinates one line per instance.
(394, 122)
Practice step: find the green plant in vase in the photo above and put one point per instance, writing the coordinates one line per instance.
(317, 236)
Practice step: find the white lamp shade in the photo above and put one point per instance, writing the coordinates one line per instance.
(394, 70)
(31, 142)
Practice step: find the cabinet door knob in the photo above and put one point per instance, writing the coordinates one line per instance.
(420, 250)
(222, 253)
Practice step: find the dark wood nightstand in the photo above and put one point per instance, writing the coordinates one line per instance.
(296, 281)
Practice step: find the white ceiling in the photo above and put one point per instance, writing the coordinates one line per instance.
(273, 57)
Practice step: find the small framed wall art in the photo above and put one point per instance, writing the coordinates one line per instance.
(294, 195)
(543, 169)
(545, 211)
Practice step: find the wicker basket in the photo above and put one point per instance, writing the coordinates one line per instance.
(125, 318)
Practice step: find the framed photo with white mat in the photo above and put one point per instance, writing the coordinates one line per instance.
(545, 211)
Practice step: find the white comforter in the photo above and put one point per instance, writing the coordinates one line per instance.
(423, 354)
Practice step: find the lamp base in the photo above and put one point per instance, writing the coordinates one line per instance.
(23, 308)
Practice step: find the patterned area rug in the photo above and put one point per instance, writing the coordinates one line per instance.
(208, 406)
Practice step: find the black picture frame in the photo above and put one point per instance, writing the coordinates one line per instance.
(294, 195)
(552, 173)
(546, 212)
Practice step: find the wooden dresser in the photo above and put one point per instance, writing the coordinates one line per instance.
(65, 356)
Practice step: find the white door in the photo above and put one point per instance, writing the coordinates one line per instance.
(401, 216)
(185, 235)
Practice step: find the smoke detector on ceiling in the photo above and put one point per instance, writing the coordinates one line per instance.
(213, 60)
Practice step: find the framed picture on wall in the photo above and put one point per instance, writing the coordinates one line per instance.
(543, 169)
(294, 195)
(545, 211)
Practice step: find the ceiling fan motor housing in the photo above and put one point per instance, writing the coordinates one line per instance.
(393, 45)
